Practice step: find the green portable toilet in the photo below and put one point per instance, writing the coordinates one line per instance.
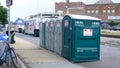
(80, 38)
(43, 33)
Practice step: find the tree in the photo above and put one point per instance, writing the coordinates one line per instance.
(112, 23)
(3, 15)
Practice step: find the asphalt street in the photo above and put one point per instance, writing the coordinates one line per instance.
(29, 38)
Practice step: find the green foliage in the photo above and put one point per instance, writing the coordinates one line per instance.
(3, 15)
(112, 23)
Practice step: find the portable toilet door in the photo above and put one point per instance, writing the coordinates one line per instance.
(43, 35)
(66, 37)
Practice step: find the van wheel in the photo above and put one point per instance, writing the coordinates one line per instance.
(35, 34)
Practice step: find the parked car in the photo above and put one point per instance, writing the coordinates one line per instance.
(105, 26)
(115, 28)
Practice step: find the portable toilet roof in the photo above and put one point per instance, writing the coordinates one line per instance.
(84, 17)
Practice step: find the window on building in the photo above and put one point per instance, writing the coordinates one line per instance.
(97, 12)
(88, 12)
(92, 12)
(104, 12)
(113, 12)
(108, 7)
(108, 12)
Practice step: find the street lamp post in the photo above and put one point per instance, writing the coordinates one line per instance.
(9, 23)
(67, 6)
(8, 4)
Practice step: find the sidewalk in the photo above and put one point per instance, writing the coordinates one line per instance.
(36, 57)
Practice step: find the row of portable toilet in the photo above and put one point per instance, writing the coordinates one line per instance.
(51, 35)
(75, 37)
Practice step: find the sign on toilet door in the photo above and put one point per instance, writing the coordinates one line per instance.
(87, 32)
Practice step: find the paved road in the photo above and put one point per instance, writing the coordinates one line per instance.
(115, 42)
(30, 38)
(110, 56)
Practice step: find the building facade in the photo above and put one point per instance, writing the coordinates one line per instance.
(104, 9)
(70, 7)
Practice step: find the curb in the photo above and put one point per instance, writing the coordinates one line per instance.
(112, 36)
(22, 65)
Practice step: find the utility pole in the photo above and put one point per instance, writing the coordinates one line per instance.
(67, 6)
(9, 23)
(8, 4)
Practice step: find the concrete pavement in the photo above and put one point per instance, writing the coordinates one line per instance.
(35, 57)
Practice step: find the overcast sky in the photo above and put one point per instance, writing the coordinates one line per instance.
(24, 8)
